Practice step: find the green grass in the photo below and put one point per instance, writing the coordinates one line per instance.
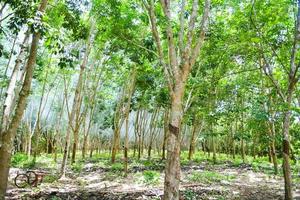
(208, 177)
(77, 167)
(151, 177)
(50, 178)
(117, 167)
(190, 195)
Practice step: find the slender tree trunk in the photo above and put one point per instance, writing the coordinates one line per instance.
(172, 170)
(84, 145)
(286, 152)
(126, 144)
(79, 88)
(152, 131)
(136, 132)
(1, 9)
(71, 127)
(130, 91)
(196, 129)
(213, 142)
(9, 134)
(9, 59)
(116, 144)
(166, 130)
(192, 143)
(118, 121)
(8, 102)
(243, 150)
(37, 130)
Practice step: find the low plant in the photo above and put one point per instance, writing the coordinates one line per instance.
(190, 195)
(117, 167)
(209, 177)
(77, 167)
(151, 177)
(19, 159)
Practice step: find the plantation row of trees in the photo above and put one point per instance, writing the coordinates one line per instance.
(143, 76)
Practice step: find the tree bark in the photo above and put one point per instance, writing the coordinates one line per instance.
(172, 169)
(286, 151)
(176, 70)
(8, 102)
(71, 126)
(130, 92)
(166, 131)
(9, 134)
(79, 88)
(196, 129)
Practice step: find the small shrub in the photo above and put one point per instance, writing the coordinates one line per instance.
(111, 176)
(18, 159)
(117, 167)
(237, 162)
(50, 178)
(151, 177)
(184, 162)
(153, 164)
(30, 164)
(208, 177)
(77, 167)
(190, 195)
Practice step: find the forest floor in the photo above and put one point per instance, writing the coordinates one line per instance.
(99, 179)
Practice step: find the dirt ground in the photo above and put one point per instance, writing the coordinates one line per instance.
(97, 183)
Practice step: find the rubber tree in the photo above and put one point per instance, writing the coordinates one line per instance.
(8, 135)
(75, 110)
(285, 92)
(177, 65)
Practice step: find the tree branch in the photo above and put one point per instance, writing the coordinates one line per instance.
(191, 27)
(171, 44)
(181, 33)
(203, 28)
(167, 71)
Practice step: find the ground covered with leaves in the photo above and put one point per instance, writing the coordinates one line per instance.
(97, 178)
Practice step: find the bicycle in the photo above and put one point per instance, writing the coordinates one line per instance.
(31, 178)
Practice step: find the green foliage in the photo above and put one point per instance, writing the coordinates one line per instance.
(77, 167)
(50, 178)
(18, 158)
(151, 177)
(190, 194)
(153, 164)
(209, 177)
(117, 167)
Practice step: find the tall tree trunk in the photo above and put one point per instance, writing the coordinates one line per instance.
(79, 87)
(9, 59)
(37, 129)
(172, 169)
(136, 132)
(176, 70)
(286, 151)
(8, 135)
(126, 145)
(196, 129)
(71, 127)
(115, 144)
(243, 150)
(213, 146)
(166, 131)
(130, 91)
(118, 121)
(8, 102)
(152, 131)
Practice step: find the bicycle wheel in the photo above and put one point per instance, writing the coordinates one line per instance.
(32, 177)
(21, 180)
